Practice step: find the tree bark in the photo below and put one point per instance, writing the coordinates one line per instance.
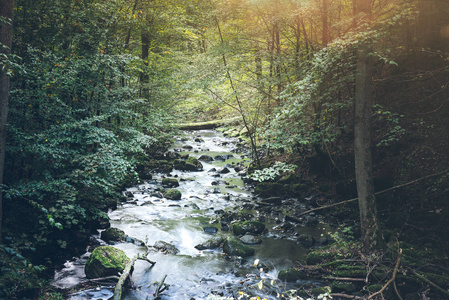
(362, 139)
(6, 11)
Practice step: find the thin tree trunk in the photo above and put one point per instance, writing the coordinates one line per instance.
(6, 11)
(362, 139)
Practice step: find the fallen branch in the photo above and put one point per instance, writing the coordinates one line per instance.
(144, 257)
(126, 273)
(347, 296)
(429, 282)
(344, 278)
(393, 278)
(161, 287)
(377, 193)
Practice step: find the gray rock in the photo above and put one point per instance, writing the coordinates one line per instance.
(213, 243)
(165, 247)
(248, 239)
(210, 229)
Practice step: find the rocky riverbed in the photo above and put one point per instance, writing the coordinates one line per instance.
(207, 231)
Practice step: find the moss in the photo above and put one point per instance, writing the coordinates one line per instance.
(170, 182)
(234, 248)
(105, 261)
(113, 234)
(291, 275)
(173, 194)
(254, 227)
(318, 257)
(347, 287)
(374, 288)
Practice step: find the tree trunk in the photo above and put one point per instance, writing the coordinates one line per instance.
(362, 140)
(6, 11)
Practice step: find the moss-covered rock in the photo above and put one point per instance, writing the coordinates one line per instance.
(291, 275)
(212, 243)
(345, 287)
(162, 166)
(233, 247)
(105, 261)
(193, 164)
(113, 235)
(173, 194)
(253, 227)
(318, 257)
(170, 182)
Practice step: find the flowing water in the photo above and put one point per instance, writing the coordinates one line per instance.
(193, 274)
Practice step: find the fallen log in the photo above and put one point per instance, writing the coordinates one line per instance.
(126, 273)
(206, 125)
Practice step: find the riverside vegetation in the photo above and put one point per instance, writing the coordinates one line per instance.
(343, 105)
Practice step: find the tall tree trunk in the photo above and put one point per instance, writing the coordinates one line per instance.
(362, 139)
(6, 11)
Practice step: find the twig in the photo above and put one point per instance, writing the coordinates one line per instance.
(393, 278)
(396, 290)
(377, 193)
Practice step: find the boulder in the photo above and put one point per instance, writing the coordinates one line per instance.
(291, 275)
(233, 247)
(112, 235)
(213, 243)
(165, 247)
(249, 239)
(173, 194)
(170, 182)
(306, 240)
(223, 170)
(253, 227)
(105, 261)
(205, 158)
(193, 164)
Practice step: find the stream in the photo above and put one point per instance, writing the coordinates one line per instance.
(185, 223)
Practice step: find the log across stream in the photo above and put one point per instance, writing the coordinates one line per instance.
(185, 223)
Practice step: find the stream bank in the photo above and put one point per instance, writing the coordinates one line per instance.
(191, 236)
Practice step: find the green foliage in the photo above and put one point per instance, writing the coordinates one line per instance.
(18, 276)
(273, 172)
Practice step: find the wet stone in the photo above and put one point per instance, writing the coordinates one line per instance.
(170, 182)
(233, 247)
(165, 247)
(306, 240)
(210, 229)
(205, 158)
(248, 239)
